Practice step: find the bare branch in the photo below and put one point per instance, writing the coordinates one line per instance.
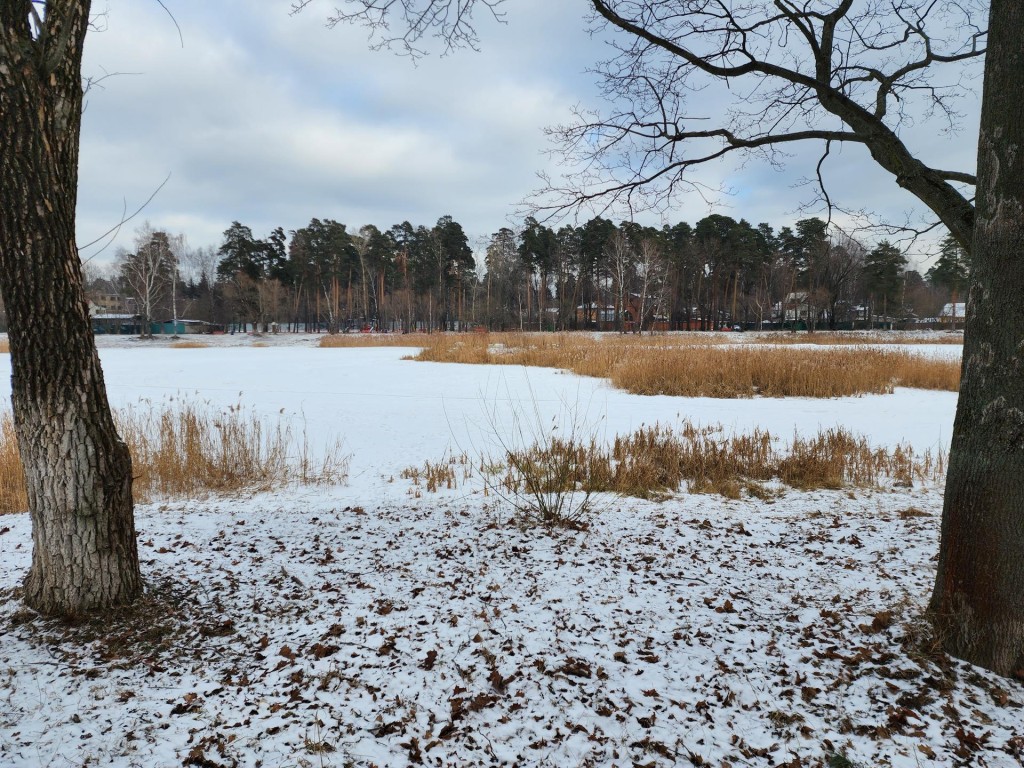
(401, 25)
(114, 230)
(181, 37)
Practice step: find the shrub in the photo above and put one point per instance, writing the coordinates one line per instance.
(551, 484)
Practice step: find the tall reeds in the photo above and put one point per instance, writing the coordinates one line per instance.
(654, 461)
(678, 365)
(185, 450)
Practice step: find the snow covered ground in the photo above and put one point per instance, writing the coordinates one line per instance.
(377, 624)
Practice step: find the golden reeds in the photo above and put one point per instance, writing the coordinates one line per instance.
(13, 496)
(375, 340)
(677, 365)
(655, 460)
(837, 338)
(183, 450)
(4, 346)
(189, 345)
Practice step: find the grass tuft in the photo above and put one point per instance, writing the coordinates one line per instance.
(187, 451)
(189, 345)
(4, 346)
(442, 474)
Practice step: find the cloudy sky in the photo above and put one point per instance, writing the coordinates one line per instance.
(271, 119)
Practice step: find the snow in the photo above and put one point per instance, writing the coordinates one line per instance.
(377, 624)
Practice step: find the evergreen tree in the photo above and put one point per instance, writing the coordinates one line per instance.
(951, 271)
(882, 274)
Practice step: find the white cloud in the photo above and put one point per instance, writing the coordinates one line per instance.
(271, 120)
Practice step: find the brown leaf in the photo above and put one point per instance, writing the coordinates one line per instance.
(428, 663)
(320, 651)
(576, 668)
(482, 701)
(386, 729)
(413, 745)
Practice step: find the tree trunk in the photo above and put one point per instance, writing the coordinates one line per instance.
(978, 602)
(77, 469)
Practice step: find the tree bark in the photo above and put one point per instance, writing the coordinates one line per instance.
(978, 601)
(77, 470)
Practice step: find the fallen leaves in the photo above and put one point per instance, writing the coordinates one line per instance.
(658, 640)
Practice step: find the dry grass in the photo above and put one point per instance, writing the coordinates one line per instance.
(654, 460)
(546, 480)
(189, 345)
(4, 346)
(444, 473)
(376, 340)
(838, 338)
(679, 365)
(12, 483)
(185, 450)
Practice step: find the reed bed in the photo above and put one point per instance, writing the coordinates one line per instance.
(664, 366)
(189, 345)
(4, 347)
(839, 338)
(342, 340)
(13, 497)
(654, 461)
(185, 450)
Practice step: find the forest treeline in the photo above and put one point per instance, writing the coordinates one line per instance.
(717, 273)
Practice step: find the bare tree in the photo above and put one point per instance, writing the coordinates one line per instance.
(148, 274)
(838, 270)
(652, 274)
(77, 469)
(621, 267)
(852, 73)
(177, 246)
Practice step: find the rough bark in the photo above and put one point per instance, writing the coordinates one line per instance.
(77, 469)
(978, 600)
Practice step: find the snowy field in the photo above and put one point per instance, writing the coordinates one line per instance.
(373, 625)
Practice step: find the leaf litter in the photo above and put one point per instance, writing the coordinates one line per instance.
(693, 631)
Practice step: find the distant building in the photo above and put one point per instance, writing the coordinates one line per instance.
(795, 308)
(115, 322)
(954, 311)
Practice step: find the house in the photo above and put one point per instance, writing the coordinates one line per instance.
(795, 308)
(955, 311)
(651, 320)
(602, 315)
(115, 322)
(184, 327)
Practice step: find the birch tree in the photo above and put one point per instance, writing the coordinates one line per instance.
(830, 73)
